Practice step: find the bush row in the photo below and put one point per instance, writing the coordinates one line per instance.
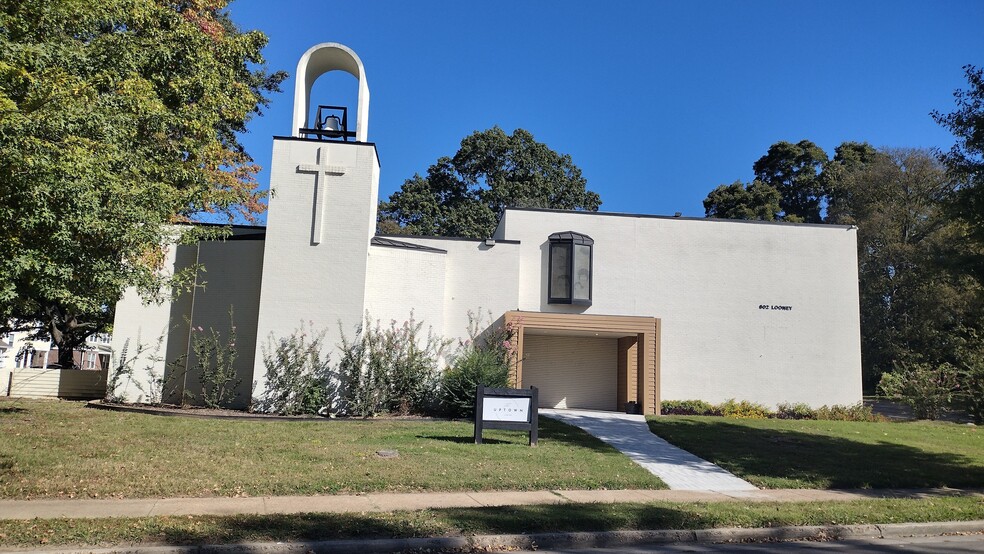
(750, 410)
(395, 369)
(391, 369)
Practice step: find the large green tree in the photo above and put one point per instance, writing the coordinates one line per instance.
(794, 170)
(789, 186)
(118, 119)
(914, 308)
(756, 201)
(462, 196)
(965, 161)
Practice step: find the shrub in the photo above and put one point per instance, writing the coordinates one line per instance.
(973, 393)
(391, 369)
(473, 367)
(214, 363)
(688, 407)
(744, 410)
(153, 390)
(795, 411)
(486, 358)
(361, 387)
(971, 377)
(298, 376)
(751, 410)
(123, 370)
(493, 337)
(854, 412)
(414, 370)
(927, 389)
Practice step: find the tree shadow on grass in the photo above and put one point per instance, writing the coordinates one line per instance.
(549, 518)
(779, 458)
(548, 430)
(289, 527)
(553, 430)
(452, 521)
(465, 440)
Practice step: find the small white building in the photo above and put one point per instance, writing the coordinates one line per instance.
(28, 367)
(610, 307)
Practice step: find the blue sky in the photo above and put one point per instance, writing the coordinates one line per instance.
(656, 102)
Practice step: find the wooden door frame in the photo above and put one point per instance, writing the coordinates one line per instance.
(636, 334)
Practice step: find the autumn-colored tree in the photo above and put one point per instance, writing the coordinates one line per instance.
(119, 119)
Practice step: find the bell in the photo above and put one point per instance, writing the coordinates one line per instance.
(331, 123)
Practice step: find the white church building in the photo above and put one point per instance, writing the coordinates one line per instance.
(610, 308)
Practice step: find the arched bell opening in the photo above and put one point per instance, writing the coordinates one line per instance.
(333, 107)
(320, 60)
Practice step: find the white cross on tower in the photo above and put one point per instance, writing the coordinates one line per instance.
(322, 169)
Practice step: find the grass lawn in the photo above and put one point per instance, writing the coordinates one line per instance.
(63, 449)
(774, 453)
(467, 521)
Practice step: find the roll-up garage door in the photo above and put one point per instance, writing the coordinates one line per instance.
(572, 372)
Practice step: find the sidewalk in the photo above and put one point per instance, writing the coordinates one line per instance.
(385, 502)
(630, 434)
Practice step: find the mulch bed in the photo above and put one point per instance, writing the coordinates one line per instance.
(212, 413)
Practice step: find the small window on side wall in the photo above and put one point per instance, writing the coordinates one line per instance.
(569, 269)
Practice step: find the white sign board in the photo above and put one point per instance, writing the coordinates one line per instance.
(506, 408)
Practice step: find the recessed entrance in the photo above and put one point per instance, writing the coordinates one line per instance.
(588, 361)
(572, 372)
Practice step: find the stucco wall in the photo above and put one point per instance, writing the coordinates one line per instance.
(150, 335)
(156, 337)
(400, 281)
(318, 279)
(708, 281)
(231, 282)
(480, 279)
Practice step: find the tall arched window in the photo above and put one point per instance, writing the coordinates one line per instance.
(569, 270)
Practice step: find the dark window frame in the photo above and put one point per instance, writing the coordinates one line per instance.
(570, 239)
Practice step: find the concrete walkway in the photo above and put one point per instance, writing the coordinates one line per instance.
(679, 469)
(387, 502)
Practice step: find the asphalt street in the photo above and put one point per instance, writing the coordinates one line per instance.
(959, 544)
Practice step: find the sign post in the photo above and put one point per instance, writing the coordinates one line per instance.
(514, 409)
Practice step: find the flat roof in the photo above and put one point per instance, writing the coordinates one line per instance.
(352, 142)
(651, 216)
(434, 237)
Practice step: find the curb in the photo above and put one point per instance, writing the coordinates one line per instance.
(492, 543)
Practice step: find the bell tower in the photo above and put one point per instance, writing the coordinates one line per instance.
(324, 183)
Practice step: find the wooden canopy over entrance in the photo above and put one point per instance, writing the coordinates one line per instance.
(638, 348)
